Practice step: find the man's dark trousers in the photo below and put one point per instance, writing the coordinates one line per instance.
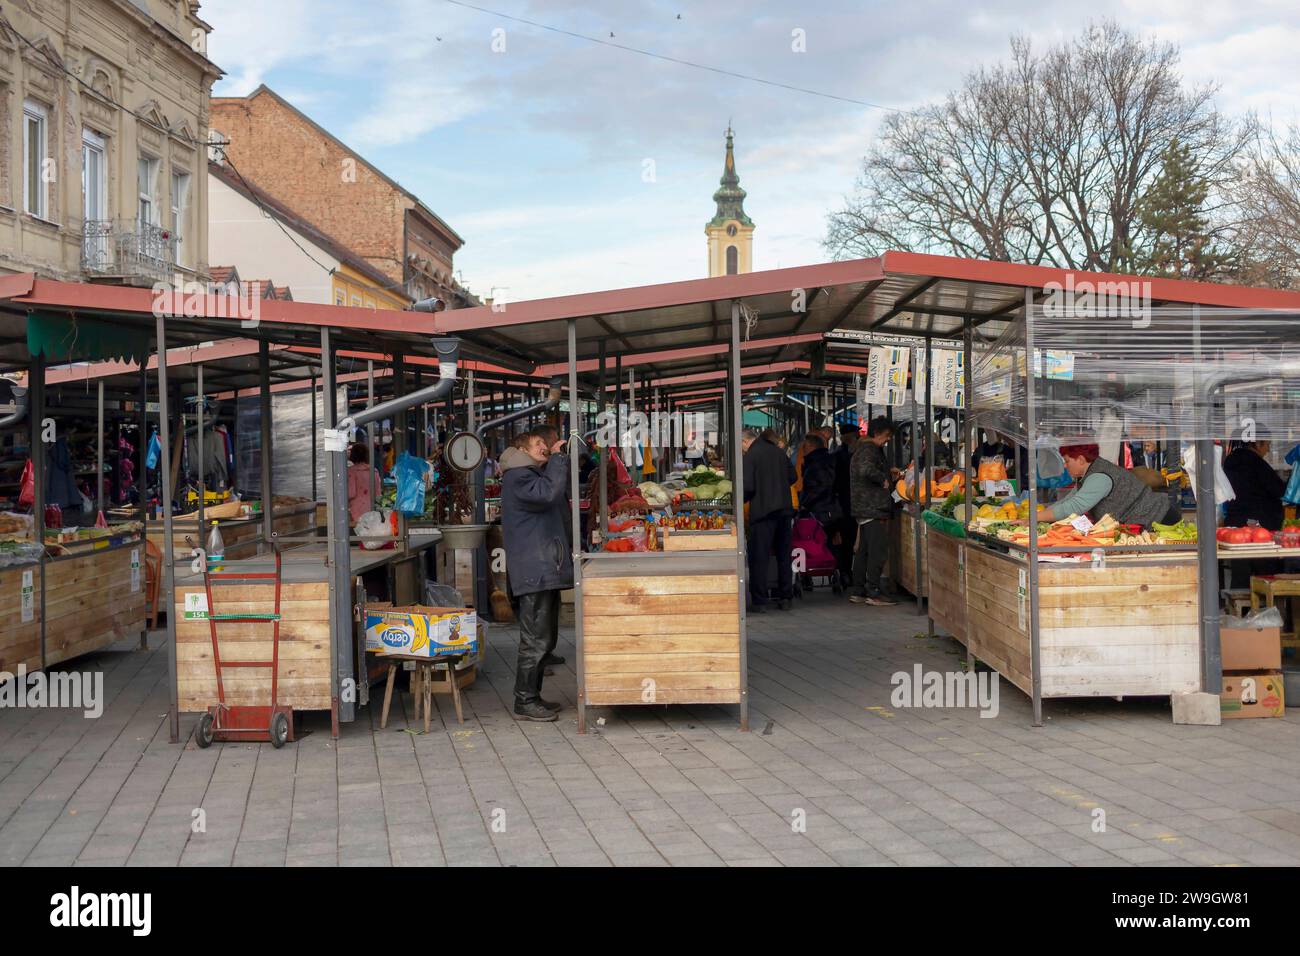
(869, 557)
(768, 536)
(539, 629)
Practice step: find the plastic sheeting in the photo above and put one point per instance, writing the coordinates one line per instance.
(291, 443)
(1166, 374)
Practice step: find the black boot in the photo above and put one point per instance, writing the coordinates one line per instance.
(535, 710)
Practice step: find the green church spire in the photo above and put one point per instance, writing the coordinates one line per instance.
(730, 197)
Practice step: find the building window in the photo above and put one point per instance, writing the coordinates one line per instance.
(732, 260)
(94, 202)
(36, 168)
(370, 303)
(356, 301)
(340, 297)
(180, 196)
(146, 177)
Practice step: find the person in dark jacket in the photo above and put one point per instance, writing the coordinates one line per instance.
(768, 476)
(535, 519)
(1258, 488)
(845, 529)
(818, 494)
(872, 506)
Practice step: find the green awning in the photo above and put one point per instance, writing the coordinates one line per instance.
(75, 338)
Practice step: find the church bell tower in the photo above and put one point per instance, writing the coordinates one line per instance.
(730, 232)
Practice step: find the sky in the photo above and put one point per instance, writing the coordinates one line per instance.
(569, 165)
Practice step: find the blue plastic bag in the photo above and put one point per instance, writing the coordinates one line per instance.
(411, 472)
(154, 452)
(1292, 494)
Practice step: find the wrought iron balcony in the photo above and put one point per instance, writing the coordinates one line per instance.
(128, 249)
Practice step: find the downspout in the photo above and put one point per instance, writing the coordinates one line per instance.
(340, 528)
(19, 414)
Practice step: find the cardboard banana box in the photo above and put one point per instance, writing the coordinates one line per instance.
(420, 631)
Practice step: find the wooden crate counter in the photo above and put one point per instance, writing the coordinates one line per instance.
(20, 620)
(905, 548)
(305, 652)
(1129, 629)
(94, 599)
(240, 534)
(661, 630)
(946, 579)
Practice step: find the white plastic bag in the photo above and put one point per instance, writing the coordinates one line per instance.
(375, 528)
(1222, 486)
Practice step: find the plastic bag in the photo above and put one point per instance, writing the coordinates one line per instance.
(1292, 494)
(412, 474)
(442, 595)
(375, 528)
(27, 496)
(1051, 469)
(154, 452)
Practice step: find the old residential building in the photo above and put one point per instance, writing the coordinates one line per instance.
(258, 234)
(103, 121)
(284, 152)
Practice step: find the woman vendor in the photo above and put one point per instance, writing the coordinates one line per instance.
(1107, 489)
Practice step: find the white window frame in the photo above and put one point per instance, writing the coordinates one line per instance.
(92, 142)
(151, 196)
(180, 209)
(39, 205)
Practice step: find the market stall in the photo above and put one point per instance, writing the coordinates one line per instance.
(665, 622)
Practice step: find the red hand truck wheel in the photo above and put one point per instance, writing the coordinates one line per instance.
(279, 730)
(203, 733)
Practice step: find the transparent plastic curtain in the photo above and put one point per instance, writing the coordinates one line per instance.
(1167, 374)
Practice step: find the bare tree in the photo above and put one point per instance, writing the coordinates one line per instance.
(1268, 198)
(1043, 159)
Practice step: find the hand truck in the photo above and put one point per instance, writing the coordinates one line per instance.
(255, 722)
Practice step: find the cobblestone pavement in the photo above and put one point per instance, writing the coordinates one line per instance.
(654, 786)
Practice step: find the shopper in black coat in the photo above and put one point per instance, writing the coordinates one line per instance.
(768, 475)
(818, 496)
(535, 526)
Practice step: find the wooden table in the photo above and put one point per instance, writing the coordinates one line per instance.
(1266, 590)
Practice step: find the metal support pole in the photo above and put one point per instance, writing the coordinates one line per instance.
(315, 430)
(203, 485)
(917, 489)
(603, 515)
(99, 449)
(738, 503)
(929, 458)
(37, 410)
(967, 431)
(168, 596)
(1031, 429)
(267, 452)
(142, 450)
(340, 557)
(1207, 545)
(575, 430)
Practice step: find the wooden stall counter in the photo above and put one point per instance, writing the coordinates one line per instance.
(945, 564)
(1127, 629)
(903, 544)
(661, 629)
(94, 596)
(305, 651)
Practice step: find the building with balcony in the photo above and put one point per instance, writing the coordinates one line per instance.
(284, 152)
(103, 129)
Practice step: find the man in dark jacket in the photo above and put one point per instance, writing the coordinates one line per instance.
(535, 520)
(846, 528)
(872, 506)
(768, 475)
(818, 495)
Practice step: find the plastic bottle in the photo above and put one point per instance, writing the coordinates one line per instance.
(216, 549)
